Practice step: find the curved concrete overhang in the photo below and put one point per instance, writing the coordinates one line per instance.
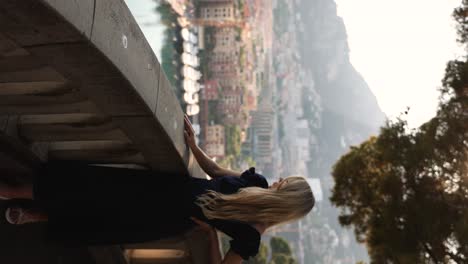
(78, 81)
(79, 78)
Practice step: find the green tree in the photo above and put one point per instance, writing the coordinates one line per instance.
(279, 245)
(460, 15)
(233, 140)
(282, 259)
(405, 192)
(456, 78)
(281, 252)
(168, 16)
(168, 52)
(281, 16)
(227, 162)
(250, 161)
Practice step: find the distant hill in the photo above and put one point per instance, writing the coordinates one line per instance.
(349, 110)
(350, 113)
(325, 51)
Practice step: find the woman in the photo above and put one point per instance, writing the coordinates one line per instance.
(94, 205)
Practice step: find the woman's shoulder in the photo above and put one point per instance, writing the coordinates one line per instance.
(231, 184)
(254, 179)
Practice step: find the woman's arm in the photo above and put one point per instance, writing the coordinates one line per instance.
(206, 163)
(215, 255)
(232, 258)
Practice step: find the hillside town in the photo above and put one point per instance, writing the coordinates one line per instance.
(256, 105)
(104, 105)
(253, 103)
(231, 102)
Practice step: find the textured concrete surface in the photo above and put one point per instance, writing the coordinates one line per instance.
(27, 245)
(117, 35)
(170, 115)
(79, 12)
(82, 83)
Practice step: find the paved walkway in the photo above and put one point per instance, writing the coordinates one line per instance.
(27, 244)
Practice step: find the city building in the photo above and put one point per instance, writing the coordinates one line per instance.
(222, 10)
(225, 70)
(225, 57)
(230, 82)
(262, 130)
(240, 118)
(250, 100)
(214, 1)
(226, 39)
(230, 101)
(215, 141)
(211, 90)
(231, 107)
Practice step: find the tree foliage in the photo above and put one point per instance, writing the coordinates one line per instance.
(281, 16)
(233, 140)
(282, 259)
(168, 50)
(460, 15)
(279, 245)
(281, 252)
(405, 192)
(455, 79)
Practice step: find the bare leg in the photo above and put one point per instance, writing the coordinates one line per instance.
(24, 191)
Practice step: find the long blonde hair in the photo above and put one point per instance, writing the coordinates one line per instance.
(258, 205)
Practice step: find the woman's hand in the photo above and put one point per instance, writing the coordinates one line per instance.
(206, 163)
(189, 132)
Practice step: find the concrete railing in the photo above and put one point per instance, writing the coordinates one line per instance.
(79, 81)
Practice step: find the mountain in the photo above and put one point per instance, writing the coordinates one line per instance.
(349, 114)
(325, 51)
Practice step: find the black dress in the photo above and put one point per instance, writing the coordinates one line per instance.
(95, 205)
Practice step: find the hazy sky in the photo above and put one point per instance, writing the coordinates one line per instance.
(401, 48)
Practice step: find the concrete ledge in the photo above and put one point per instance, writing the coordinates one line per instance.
(40, 27)
(91, 52)
(78, 12)
(89, 71)
(170, 115)
(117, 35)
(149, 137)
